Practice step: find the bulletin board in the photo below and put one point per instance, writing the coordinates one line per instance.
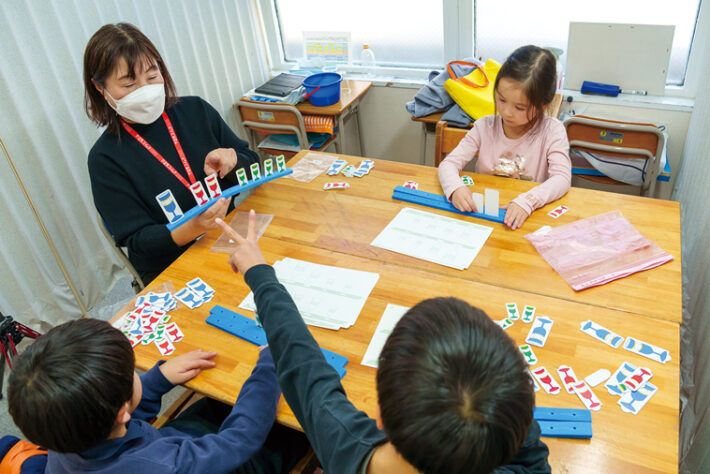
(629, 56)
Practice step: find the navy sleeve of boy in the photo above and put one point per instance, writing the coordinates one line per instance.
(531, 457)
(243, 432)
(340, 434)
(155, 385)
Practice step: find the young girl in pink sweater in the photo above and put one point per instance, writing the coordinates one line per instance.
(519, 141)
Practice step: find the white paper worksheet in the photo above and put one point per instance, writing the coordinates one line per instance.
(393, 313)
(326, 296)
(439, 239)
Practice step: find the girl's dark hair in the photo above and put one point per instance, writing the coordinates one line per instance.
(103, 54)
(455, 394)
(66, 389)
(536, 69)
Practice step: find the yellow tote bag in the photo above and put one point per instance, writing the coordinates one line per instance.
(474, 92)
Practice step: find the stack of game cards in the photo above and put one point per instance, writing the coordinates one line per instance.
(195, 294)
(149, 322)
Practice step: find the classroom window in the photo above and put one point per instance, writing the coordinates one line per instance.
(411, 33)
(400, 32)
(498, 32)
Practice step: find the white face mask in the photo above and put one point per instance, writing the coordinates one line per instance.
(143, 105)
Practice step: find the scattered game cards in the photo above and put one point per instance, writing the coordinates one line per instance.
(557, 212)
(539, 331)
(196, 293)
(633, 401)
(349, 171)
(601, 375)
(647, 350)
(411, 184)
(148, 322)
(528, 353)
(528, 314)
(336, 167)
(512, 310)
(601, 333)
(637, 379)
(587, 396)
(568, 377)
(467, 180)
(612, 385)
(536, 387)
(504, 323)
(546, 380)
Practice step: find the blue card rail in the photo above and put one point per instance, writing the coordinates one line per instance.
(438, 201)
(564, 422)
(246, 328)
(229, 192)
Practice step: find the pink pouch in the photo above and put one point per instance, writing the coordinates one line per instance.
(594, 251)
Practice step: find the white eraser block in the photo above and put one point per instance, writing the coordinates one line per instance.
(601, 375)
(478, 201)
(492, 202)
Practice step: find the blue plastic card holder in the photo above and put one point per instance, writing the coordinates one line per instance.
(227, 193)
(246, 328)
(564, 422)
(437, 201)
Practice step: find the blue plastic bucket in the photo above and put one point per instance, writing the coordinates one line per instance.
(324, 88)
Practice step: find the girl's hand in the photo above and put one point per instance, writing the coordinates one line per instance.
(185, 367)
(247, 254)
(515, 216)
(462, 200)
(220, 160)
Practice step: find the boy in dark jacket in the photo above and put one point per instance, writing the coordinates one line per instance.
(454, 392)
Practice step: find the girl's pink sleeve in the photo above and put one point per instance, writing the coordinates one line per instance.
(450, 168)
(559, 172)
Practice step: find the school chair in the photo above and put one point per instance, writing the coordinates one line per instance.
(447, 138)
(137, 282)
(623, 148)
(186, 398)
(259, 119)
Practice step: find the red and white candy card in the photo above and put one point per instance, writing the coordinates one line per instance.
(558, 211)
(198, 191)
(545, 379)
(331, 186)
(213, 186)
(411, 184)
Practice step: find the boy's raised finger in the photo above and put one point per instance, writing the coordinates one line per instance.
(233, 234)
(251, 228)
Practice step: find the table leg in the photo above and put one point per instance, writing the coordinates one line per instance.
(359, 129)
(422, 145)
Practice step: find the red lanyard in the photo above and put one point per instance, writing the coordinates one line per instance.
(159, 157)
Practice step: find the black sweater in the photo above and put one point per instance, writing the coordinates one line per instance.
(125, 178)
(340, 434)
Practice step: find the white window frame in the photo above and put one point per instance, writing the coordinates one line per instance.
(459, 43)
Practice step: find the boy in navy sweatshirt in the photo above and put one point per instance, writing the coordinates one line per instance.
(75, 392)
(454, 393)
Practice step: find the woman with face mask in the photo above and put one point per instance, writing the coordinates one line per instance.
(154, 141)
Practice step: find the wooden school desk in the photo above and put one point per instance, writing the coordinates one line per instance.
(351, 93)
(621, 442)
(335, 228)
(347, 221)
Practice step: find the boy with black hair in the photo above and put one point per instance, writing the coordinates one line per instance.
(75, 392)
(454, 392)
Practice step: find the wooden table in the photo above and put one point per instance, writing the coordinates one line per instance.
(348, 221)
(306, 227)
